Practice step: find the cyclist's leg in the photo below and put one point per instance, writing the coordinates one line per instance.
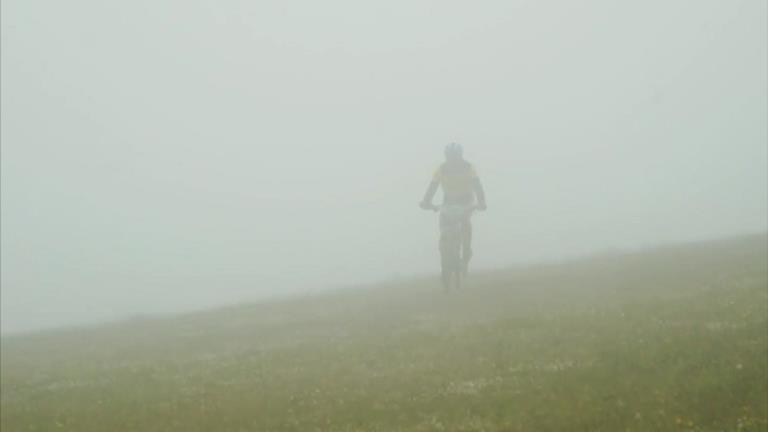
(448, 258)
(466, 244)
(444, 254)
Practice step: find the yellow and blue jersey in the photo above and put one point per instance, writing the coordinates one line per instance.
(459, 182)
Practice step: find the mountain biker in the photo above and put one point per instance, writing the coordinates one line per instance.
(461, 186)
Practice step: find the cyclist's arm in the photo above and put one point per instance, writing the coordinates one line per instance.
(479, 192)
(477, 186)
(430, 194)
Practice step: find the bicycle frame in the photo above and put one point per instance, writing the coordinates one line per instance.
(453, 254)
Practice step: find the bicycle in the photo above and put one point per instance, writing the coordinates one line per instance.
(454, 253)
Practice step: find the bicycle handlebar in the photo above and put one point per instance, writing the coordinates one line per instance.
(437, 208)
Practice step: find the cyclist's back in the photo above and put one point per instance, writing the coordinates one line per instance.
(457, 179)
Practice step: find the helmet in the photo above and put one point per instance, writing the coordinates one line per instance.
(454, 150)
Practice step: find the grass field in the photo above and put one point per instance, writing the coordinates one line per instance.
(671, 339)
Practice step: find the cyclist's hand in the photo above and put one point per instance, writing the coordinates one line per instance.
(482, 207)
(425, 205)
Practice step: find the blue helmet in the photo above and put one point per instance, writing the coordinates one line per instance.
(454, 150)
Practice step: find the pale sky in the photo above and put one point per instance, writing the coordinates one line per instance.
(162, 156)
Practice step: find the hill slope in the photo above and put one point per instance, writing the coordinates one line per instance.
(667, 339)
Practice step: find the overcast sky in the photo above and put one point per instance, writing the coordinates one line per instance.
(167, 155)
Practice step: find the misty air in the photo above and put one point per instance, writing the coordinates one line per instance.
(395, 216)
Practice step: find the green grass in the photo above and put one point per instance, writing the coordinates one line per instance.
(673, 339)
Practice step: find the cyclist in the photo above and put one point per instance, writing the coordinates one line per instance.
(461, 186)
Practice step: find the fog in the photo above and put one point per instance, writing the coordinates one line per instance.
(165, 156)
